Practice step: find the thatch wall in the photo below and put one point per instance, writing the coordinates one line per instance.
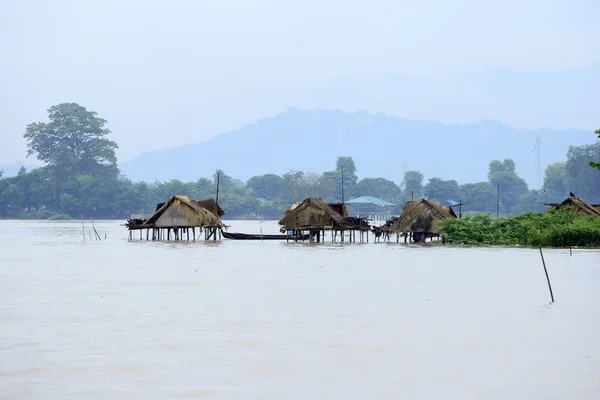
(579, 206)
(419, 217)
(212, 206)
(340, 208)
(311, 213)
(182, 212)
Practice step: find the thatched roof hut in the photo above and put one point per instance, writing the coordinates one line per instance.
(212, 206)
(577, 205)
(419, 216)
(313, 212)
(181, 212)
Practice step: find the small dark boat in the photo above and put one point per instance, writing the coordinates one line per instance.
(258, 236)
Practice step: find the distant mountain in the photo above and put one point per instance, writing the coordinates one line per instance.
(382, 146)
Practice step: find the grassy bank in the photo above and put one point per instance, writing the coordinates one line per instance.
(552, 229)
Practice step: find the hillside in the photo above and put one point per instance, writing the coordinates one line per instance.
(380, 145)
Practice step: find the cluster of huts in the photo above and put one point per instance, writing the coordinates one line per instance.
(311, 220)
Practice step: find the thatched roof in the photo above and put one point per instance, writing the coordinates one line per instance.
(212, 206)
(419, 216)
(311, 213)
(181, 211)
(410, 204)
(577, 205)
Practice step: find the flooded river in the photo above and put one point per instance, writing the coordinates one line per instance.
(114, 319)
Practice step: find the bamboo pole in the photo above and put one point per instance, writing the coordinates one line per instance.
(547, 277)
(95, 231)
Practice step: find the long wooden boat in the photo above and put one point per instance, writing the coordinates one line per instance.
(258, 236)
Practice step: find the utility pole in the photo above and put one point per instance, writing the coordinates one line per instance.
(498, 201)
(342, 185)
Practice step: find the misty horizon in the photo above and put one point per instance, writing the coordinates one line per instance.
(190, 71)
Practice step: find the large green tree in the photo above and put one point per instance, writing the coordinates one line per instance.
(268, 186)
(441, 190)
(556, 182)
(480, 197)
(350, 179)
(73, 142)
(512, 186)
(594, 163)
(584, 181)
(379, 187)
(412, 185)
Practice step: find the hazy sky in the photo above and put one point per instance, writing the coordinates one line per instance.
(165, 73)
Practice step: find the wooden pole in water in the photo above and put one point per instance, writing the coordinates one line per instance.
(546, 271)
(95, 231)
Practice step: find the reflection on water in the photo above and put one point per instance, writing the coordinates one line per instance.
(114, 319)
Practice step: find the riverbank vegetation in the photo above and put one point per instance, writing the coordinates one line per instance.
(556, 228)
(81, 178)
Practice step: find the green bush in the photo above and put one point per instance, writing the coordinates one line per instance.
(554, 229)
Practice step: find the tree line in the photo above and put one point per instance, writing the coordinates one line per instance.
(81, 179)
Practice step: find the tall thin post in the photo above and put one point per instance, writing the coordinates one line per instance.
(95, 231)
(82, 227)
(498, 201)
(546, 271)
(342, 189)
(412, 195)
(295, 194)
(459, 208)
(217, 198)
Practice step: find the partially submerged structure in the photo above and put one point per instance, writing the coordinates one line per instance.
(417, 221)
(577, 205)
(212, 206)
(315, 216)
(178, 215)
